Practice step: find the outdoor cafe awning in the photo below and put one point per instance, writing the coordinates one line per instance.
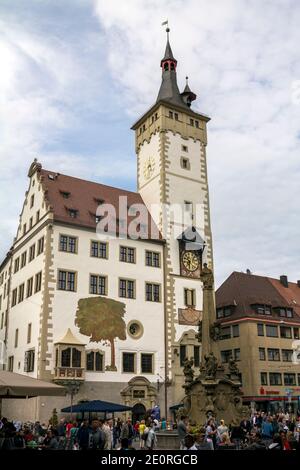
(21, 386)
(98, 406)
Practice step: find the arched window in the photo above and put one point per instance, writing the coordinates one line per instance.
(94, 361)
(172, 66)
(166, 66)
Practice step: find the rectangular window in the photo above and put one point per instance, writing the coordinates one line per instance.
(296, 333)
(182, 354)
(128, 362)
(189, 297)
(170, 114)
(99, 249)
(191, 122)
(185, 163)
(147, 363)
(289, 379)
(127, 288)
(37, 217)
(31, 201)
(263, 378)
(176, 116)
(66, 280)
(73, 213)
(0, 302)
(260, 329)
(197, 356)
(31, 252)
(262, 354)
(16, 338)
(263, 310)
(235, 331)
(275, 378)
(225, 332)
(237, 354)
(97, 284)
(14, 297)
(2, 321)
(29, 328)
(287, 355)
(38, 282)
(68, 244)
(29, 288)
(23, 259)
(197, 124)
(11, 363)
(272, 331)
(21, 293)
(24, 229)
(30, 222)
(127, 254)
(29, 361)
(40, 246)
(226, 355)
(285, 332)
(224, 312)
(16, 265)
(273, 354)
(184, 148)
(298, 379)
(94, 361)
(152, 259)
(152, 292)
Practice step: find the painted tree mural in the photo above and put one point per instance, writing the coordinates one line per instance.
(102, 320)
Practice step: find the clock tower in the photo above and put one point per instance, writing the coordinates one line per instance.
(171, 141)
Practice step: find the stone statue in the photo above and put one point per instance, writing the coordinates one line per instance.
(209, 405)
(232, 367)
(187, 369)
(215, 331)
(207, 277)
(210, 366)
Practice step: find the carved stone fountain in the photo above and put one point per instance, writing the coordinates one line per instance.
(214, 391)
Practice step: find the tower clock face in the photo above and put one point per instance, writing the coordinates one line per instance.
(190, 261)
(149, 167)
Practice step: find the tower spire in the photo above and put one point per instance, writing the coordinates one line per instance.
(169, 89)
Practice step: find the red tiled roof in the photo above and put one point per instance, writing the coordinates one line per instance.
(243, 291)
(84, 196)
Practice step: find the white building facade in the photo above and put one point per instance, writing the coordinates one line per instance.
(108, 315)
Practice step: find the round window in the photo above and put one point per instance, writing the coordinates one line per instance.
(135, 329)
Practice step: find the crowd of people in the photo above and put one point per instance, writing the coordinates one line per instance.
(74, 435)
(262, 431)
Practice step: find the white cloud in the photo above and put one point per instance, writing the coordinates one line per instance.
(241, 58)
(103, 56)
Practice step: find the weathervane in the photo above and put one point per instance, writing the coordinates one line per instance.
(167, 28)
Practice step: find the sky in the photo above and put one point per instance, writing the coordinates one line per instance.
(76, 74)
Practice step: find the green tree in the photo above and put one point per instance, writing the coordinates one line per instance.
(102, 320)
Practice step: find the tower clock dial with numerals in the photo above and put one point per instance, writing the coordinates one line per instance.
(190, 263)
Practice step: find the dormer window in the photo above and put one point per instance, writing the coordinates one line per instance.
(223, 312)
(65, 194)
(99, 201)
(262, 309)
(285, 312)
(73, 213)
